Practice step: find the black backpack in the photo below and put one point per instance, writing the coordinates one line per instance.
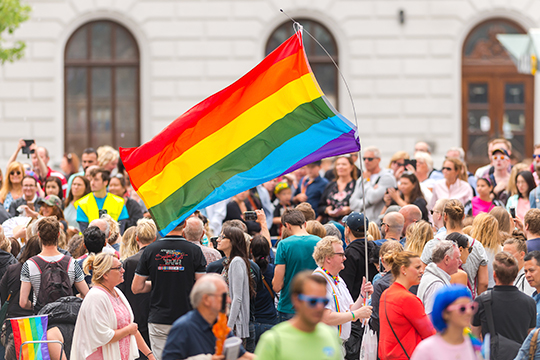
(55, 282)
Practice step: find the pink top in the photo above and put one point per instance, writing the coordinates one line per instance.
(460, 190)
(122, 320)
(435, 348)
(480, 206)
(522, 207)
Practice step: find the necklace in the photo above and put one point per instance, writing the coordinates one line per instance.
(113, 294)
(335, 278)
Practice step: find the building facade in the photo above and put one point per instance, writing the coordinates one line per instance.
(117, 72)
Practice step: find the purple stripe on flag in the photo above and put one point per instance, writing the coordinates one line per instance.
(344, 144)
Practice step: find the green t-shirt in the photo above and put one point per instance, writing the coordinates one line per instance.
(296, 253)
(284, 342)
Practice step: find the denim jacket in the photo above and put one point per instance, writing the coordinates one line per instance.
(523, 353)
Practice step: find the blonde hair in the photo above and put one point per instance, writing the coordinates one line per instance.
(129, 246)
(99, 264)
(62, 240)
(324, 249)
(106, 154)
(398, 259)
(467, 230)
(398, 155)
(511, 187)
(485, 229)
(114, 229)
(460, 166)
(146, 230)
(314, 227)
(421, 233)
(5, 243)
(455, 212)
(7, 185)
(373, 231)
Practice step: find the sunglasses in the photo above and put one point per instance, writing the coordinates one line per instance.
(469, 249)
(447, 168)
(15, 172)
(313, 301)
(434, 211)
(462, 308)
(368, 158)
(500, 157)
(536, 156)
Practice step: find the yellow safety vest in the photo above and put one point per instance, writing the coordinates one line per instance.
(113, 204)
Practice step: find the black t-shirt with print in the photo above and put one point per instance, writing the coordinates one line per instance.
(171, 264)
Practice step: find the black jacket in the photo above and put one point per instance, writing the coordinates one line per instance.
(20, 201)
(355, 265)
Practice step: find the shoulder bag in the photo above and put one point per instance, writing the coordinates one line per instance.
(391, 328)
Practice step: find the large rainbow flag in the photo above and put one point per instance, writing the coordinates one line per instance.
(32, 328)
(273, 120)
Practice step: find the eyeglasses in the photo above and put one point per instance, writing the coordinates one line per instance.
(434, 211)
(462, 308)
(500, 157)
(368, 158)
(116, 268)
(313, 301)
(15, 172)
(340, 254)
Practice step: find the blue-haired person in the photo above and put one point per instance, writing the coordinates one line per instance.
(452, 313)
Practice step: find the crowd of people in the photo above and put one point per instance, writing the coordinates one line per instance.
(447, 251)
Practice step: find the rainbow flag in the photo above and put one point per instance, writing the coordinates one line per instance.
(273, 120)
(32, 328)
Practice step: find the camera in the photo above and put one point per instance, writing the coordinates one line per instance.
(250, 216)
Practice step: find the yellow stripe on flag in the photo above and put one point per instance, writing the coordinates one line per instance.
(218, 145)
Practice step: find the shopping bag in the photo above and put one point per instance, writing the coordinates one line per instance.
(368, 350)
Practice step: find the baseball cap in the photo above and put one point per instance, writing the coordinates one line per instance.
(502, 151)
(355, 221)
(51, 200)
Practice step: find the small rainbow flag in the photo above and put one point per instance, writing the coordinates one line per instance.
(32, 328)
(273, 120)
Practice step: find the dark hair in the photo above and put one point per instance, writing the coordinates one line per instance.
(31, 248)
(105, 174)
(15, 247)
(90, 151)
(461, 240)
(529, 179)
(238, 244)
(57, 211)
(29, 177)
(293, 217)
(300, 279)
(58, 183)
(488, 182)
(239, 224)
(48, 230)
(94, 239)
(87, 188)
(505, 267)
(535, 254)
(122, 180)
(417, 191)
(260, 249)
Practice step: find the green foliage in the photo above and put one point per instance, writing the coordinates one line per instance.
(12, 14)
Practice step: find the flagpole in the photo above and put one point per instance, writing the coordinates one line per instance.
(357, 136)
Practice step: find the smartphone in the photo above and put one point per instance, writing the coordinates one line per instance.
(410, 162)
(26, 148)
(513, 212)
(250, 216)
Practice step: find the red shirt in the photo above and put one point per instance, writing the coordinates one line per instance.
(409, 321)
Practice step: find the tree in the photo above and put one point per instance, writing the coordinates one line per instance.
(12, 14)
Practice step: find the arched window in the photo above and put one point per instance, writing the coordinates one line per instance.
(497, 101)
(325, 71)
(101, 87)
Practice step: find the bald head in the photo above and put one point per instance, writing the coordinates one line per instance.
(194, 229)
(103, 225)
(393, 222)
(412, 214)
(209, 284)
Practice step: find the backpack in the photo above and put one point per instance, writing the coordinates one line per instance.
(55, 282)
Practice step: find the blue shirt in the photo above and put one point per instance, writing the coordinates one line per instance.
(81, 216)
(536, 298)
(191, 335)
(533, 244)
(314, 190)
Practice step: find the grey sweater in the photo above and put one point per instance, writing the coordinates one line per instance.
(239, 291)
